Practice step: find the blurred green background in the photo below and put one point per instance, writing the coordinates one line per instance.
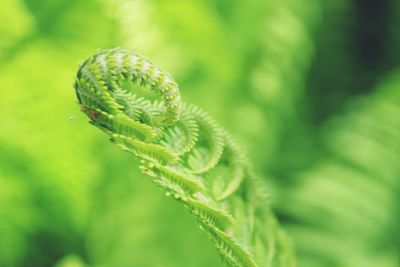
(310, 88)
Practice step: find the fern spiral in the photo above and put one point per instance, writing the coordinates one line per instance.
(185, 152)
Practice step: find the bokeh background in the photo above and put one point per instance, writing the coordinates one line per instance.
(310, 88)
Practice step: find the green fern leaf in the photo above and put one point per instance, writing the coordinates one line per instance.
(186, 152)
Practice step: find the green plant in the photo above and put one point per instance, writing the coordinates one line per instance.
(360, 166)
(185, 152)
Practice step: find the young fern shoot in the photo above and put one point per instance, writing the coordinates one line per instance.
(186, 153)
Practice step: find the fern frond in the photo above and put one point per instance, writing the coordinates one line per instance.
(208, 149)
(182, 136)
(349, 200)
(185, 151)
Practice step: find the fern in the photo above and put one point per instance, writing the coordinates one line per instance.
(348, 201)
(185, 152)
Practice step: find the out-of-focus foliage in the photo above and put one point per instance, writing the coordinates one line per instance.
(312, 89)
(354, 187)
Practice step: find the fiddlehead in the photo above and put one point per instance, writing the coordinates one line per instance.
(185, 152)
